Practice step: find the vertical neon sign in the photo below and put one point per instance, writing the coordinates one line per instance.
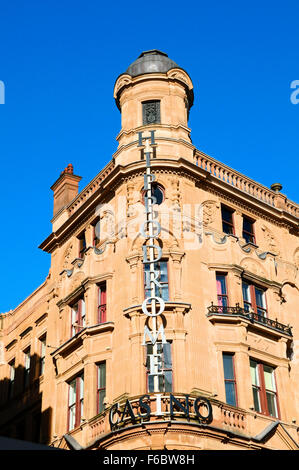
(150, 229)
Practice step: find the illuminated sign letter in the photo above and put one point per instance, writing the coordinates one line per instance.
(153, 338)
(153, 314)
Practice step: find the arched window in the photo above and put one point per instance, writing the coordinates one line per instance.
(157, 192)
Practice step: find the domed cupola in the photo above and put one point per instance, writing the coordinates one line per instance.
(151, 62)
(154, 92)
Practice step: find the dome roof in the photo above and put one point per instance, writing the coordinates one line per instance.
(152, 61)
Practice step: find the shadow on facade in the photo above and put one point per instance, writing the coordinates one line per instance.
(21, 413)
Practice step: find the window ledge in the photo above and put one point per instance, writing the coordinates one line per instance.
(179, 306)
(80, 336)
(238, 315)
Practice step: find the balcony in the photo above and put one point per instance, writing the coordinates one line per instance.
(237, 312)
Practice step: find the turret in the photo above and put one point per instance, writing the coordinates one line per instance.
(154, 94)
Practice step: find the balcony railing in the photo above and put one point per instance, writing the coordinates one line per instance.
(252, 316)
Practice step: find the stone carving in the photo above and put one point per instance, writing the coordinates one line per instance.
(270, 240)
(76, 280)
(180, 75)
(67, 256)
(253, 267)
(296, 258)
(175, 193)
(123, 81)
(207, 211)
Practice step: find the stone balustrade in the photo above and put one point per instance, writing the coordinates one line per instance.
(243, 183)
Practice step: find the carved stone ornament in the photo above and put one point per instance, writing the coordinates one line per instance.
(270, 240)
(180, 75)
(121, 82)
(207, 211)
(253, 267)
(67, 256)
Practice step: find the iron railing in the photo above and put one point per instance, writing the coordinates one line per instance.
(252, 316)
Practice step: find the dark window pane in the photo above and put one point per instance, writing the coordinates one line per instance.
(151, 383)
(256, 399)
(158, 194)
(226, 215)
(247, 225)
(230, 393)
(226, 228)
(168, 381)
(101, 400)
(228, 366)
(151, 112)
(167, 356)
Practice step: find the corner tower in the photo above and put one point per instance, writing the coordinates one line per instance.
(154, 93)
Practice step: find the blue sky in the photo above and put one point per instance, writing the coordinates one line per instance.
(59, 61)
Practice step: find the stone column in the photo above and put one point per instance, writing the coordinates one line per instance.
(135, 282)
(175, 282)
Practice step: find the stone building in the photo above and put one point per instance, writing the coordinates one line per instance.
(86, 360)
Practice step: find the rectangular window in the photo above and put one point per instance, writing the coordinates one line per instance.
(42, 354)
(96, 232)
(151, 112)
(248, 231)
(161, 290)
(102, 318)
(76, 395)
(254, 299)
(227, 220)
(230, 379)
(222, 290)
(82, 244)
(78, 315)
(27, 366)
(264, 389)
(164, 369)
(12, 378)
(101, 390)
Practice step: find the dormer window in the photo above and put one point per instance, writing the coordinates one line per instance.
(151, 112)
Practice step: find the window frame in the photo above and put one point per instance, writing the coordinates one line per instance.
(222, 295)
(12, 378)
(101, 408)
(158, 111)
(78, 403)
(43, 348)
(27, 367)
(233, 380)
(253, 299)
(80, 301)
(102, 307)
(250, 234)
(232, 223)
(82, 244)
(154, 185)
(95, 240)
(262, 390)
(162, 260)
(163, 368)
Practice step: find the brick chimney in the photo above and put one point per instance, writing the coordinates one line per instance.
(65, 189)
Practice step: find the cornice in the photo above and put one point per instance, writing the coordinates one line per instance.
(119, 174)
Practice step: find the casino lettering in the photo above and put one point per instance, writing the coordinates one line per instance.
(148, 407)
